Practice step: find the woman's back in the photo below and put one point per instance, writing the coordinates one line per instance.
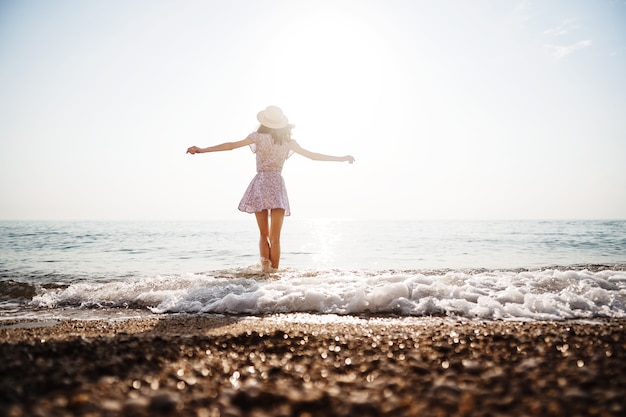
(270, 156)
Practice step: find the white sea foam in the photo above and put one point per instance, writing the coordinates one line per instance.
(540, 295)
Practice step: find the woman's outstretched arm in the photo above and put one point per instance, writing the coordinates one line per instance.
(226, 146)
(320, 156)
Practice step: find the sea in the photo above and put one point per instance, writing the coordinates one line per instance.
(486, 270)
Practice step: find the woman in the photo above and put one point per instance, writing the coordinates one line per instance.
(266, 195)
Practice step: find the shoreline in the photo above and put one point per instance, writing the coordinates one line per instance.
(312, 365)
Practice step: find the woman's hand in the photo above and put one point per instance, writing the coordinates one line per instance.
(348, 158)
(193, 150)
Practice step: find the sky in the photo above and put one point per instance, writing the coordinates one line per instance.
(485, 109)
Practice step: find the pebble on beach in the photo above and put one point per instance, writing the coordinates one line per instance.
(297, 366)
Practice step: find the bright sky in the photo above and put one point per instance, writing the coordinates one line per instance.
(453, 109)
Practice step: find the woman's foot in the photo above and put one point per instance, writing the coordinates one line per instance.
(266, 265)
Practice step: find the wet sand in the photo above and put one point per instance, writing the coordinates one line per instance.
(312, 365)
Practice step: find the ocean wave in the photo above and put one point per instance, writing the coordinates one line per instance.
(546, 294)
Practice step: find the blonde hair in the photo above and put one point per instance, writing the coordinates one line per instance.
(280, 136)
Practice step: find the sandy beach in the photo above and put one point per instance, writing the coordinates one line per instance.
(312, 365)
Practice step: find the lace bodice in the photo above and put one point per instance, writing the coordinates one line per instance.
(269, 156)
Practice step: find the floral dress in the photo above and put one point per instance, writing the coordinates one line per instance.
(267, 189)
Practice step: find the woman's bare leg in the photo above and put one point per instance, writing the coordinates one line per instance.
(262, 219)
(278, 215)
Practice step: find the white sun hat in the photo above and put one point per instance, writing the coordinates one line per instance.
(272, 117)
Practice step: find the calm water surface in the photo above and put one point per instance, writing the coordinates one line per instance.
(489, 269)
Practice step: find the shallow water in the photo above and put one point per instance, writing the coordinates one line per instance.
(529, 270)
